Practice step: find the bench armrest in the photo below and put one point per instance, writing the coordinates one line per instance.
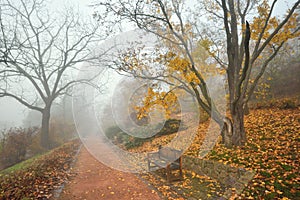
(152, 155)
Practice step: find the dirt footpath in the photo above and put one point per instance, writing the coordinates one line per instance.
(94, 180)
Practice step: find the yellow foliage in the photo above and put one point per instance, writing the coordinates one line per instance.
(283, 35)
(182, 67)
(167, 101)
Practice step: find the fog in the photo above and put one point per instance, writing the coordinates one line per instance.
(13, 113)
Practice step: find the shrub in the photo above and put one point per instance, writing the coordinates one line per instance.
(35, 147)
(288, 104)
(284, 103)
(135, 142)
(112, 131)
(60, 131)
(14, 145)
(170, 126)
(117, 136)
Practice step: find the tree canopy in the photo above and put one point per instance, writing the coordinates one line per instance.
(240, 49)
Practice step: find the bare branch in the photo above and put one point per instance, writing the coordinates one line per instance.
(36, 51)
(264, 66)
(3, 93)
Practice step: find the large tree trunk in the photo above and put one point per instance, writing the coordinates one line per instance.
(45, 142)
(233, 130)
(239, 135)
(227, 132)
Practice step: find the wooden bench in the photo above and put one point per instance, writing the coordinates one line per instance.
(167, 158)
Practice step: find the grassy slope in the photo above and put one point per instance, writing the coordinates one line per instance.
(272, 151)
(37, 177)
(21, 166)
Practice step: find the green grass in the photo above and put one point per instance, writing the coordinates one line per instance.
(22, 165)
(26, 163)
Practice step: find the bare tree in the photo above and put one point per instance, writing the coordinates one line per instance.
(174, 25)
(40, 51)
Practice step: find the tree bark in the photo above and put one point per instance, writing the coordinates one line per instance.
(227, 132)
(45, 142)
(233, 130)
(239, 134)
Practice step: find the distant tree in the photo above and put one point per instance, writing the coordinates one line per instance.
(284, 79)
(40, 50)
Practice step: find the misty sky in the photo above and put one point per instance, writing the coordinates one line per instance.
(12, 113)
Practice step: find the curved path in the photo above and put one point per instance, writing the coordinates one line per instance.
(94, 180)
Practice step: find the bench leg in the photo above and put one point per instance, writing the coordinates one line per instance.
(168, 169)
(181, 175)
(180, 168)
(148, 165)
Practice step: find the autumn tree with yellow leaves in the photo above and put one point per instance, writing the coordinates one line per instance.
(233, 46)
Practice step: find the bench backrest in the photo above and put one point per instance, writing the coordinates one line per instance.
(168, 153)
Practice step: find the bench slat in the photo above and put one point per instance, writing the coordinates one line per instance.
(167, 158)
